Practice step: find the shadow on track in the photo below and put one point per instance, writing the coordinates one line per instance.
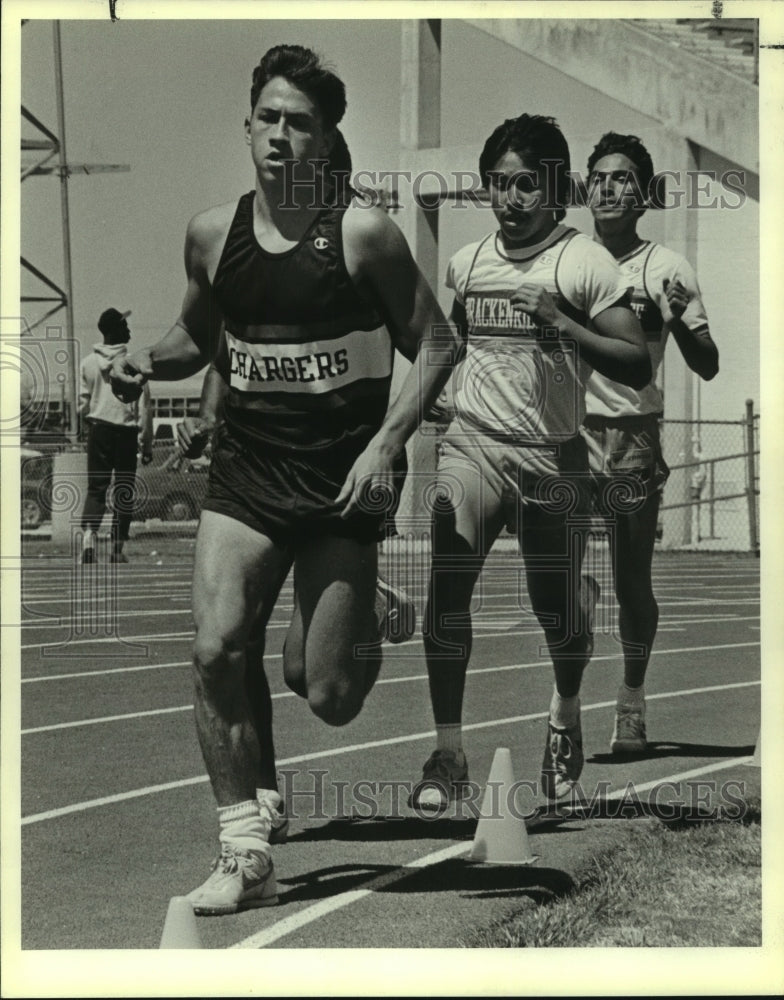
(671, 748)
(479, 881)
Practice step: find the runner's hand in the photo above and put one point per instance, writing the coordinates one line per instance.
(370, 483)
(538, 303)
(193, 436)
(128, 375)
(677, 297)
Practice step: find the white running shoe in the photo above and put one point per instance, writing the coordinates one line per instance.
(563, 760)
(444, 779)
(395, 613)
(629, 730)
(240, 880)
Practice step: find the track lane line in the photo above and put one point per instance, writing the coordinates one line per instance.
(357, 747)
(309, 914)
(406, 679)
(84, 674)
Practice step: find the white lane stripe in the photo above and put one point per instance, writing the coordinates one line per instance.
(290, 694)
(683, 776)
(263, 938)
(152, 594)
(62, 622)
(123, 639)
(276, 656)
(80, 723)
(325, 906)
(176, 636)
(82, 674)
(281, 694)
(511, 621)
(356, 747)
(159, 637)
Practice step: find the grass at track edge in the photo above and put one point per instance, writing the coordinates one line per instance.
(695, 884)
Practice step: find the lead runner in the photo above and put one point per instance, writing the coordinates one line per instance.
(300, 292)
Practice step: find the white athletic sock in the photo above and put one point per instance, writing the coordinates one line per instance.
(449, 737)
(88, 539)
(270, 796)
(269, 802)
(242, 826)
(631, 697)
(564, 712)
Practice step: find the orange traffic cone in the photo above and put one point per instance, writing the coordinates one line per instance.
(179, 930)
(501, 837)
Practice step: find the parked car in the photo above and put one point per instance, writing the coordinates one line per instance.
(36, 488)
(171, 488)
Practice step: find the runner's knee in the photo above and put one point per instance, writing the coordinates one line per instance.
(213, 654)
(635, 595)
(335, 702)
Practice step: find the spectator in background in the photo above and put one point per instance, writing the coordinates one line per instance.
(114, 432)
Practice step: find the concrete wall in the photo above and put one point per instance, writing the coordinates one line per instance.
(721, 241)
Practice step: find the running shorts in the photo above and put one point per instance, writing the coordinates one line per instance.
(626, 461)
(554, 478)
(288, 497)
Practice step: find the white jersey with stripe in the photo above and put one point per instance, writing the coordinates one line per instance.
(646, 269)
(518, 382)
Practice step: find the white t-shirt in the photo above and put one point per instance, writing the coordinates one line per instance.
(518, 383)
(645, 271)
(97, 400)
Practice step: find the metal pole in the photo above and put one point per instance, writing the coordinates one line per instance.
(712, 488)
(70, 331)
(750, 489)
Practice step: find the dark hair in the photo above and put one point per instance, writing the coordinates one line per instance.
(535, 138)
(626, 145)
(304, 69)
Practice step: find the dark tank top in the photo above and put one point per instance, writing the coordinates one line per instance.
(307, 361)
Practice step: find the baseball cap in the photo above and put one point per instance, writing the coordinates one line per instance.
(110, 320)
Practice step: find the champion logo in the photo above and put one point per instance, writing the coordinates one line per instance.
(321, 243)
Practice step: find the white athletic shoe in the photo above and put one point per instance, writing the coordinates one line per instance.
(563, 760)
(444, 779)
(629, 730)
(272, 809)
(240, 880)
(395, 613)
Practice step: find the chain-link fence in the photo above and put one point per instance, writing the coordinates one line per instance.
(711, 500)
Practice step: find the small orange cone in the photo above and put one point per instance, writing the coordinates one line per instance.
(501, 837)
(179, 930)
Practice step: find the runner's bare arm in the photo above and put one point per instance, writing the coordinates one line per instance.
(698, 348)
(191, 343)
(194, 432)
(618, 350)
(379, 260)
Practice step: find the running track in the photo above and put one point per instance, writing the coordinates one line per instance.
(117, 815)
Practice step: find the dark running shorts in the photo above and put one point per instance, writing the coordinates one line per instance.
(626, 461)
(290, 497)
